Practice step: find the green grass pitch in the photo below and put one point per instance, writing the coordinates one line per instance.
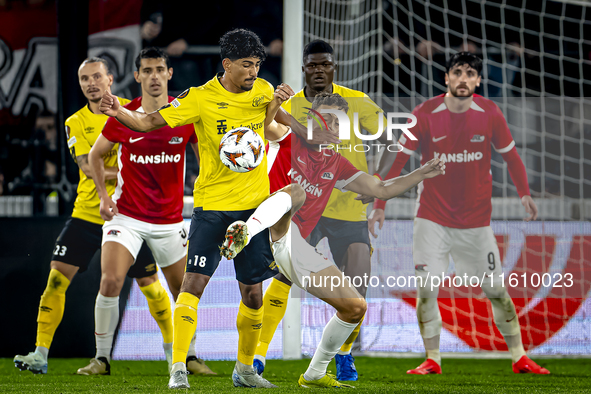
(377, 375)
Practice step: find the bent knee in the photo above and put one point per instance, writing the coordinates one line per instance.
(111, 285)
(358, 309)
(298, 196)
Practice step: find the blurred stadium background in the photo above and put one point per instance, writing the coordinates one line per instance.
(537, 64)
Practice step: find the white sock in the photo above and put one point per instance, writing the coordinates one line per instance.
(167, 346)
(260, 358)
(334, 335)
(191, 351)
(268, 213)
(106, 316)
(180, 366)
(432, 348)
(343, 353)
(515, 346)
(43, 351)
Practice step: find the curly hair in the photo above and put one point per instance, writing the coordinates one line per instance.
(241, 43)
(330, 100)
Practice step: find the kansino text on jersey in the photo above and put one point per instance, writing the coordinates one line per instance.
(155, 159)
(363, 147)
(463, 157)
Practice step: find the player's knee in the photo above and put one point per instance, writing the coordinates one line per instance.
(357, 310)
(252, 296)
(496, 292)
(298, 196)
(111, 284)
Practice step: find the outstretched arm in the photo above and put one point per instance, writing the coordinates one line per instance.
(136, 121)
(385, 190)
(97, 169)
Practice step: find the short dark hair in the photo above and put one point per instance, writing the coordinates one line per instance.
(151, 53)
(317, 46)
(461, 58)
(330, 100)
(240, 43)
(96, 59)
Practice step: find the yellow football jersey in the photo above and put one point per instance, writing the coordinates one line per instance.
(343, 206)
(215, 111)
(83, 128)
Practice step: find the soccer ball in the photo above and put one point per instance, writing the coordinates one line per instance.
(241, 149)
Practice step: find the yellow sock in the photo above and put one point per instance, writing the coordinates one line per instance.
(274, 305)
(184, 325)
(346, 348)
(51, 307)
(159, 304)
(248, 322)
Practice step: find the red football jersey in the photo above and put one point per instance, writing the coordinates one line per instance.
(151, 174)
(291, 160)
(462, 197)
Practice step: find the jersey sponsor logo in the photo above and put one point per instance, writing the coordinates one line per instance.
(439, 139)
(304, 183)
(257, 326)
(89, 129)
(150, 267)
(222, 105)
(463, 157)
(183, 95)
(114, 233)
(176, 140)
(477, 138)
(71, 142)
(132, 140)
(44, 308)
(327, 175)
(155, 159)
(175, 103)
(222, 126)
(257, 101)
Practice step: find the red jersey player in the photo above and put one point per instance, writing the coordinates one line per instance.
(454, 212)
(310, 175)
(148, 201)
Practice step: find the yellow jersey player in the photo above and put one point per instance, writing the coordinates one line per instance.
(344, 220)
(81, 237)
(231, 99)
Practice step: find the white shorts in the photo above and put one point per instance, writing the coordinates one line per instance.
(301, 260)
(474, 250)
(168, 242)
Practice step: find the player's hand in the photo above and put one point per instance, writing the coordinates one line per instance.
(432, 168)
(109, 103)
(377, 215)
(364, 199)
(108, 208)
(283, 93)
(530, 207)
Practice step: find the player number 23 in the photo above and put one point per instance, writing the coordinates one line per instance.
(201, 260)
(60, 250)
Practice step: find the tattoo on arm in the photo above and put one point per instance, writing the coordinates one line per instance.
(82, 162)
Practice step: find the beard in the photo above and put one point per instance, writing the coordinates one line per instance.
(454, 92)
